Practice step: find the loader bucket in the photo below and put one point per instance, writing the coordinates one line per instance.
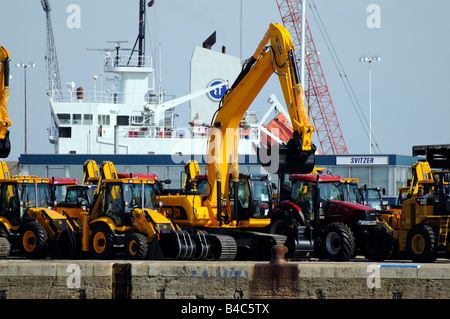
(63, 246)
(5, 146)
(177, 244)
(300, 242)
(287, 159)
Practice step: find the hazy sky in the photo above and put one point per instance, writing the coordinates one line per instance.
(410, 84)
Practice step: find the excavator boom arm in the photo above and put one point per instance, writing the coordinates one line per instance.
(277, 57)
(5, 122)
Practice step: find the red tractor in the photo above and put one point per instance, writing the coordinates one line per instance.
(340, 229)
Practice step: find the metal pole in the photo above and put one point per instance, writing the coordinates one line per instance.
(370, 108)
(25, 66)
(303, 46)
(25, 93)
(370, 60)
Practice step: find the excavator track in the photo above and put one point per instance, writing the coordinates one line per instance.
(223, 247)
(261, 248)
(247, 245)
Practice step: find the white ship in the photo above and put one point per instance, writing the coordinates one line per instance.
(132, 117)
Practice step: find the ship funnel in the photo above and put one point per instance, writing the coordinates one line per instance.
(208, 43)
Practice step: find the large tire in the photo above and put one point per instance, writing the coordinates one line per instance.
(337, 242)
(280, 225)
(421, 243)
(102, 243)
(380, 245)
(136, 247)
(33, 240)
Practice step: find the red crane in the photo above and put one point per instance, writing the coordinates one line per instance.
(320, 104)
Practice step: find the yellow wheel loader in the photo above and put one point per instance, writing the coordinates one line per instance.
(425, 217)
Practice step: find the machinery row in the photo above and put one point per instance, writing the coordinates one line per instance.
(224, 214)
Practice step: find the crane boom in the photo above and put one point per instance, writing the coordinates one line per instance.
(317, 94)
(54, 81)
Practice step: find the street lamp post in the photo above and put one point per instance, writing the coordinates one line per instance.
(370, 60)
(25, 66)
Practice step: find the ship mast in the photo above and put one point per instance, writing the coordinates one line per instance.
(52, 60)
(140, 40)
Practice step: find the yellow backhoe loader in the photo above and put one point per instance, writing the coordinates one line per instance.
(123, 219)
(33, 229)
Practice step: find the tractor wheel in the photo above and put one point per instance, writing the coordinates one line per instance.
(136, 246)
(421, 243)
(280, 226)
(337, 242)
(33, 240)
(101, 242)
(380, 245)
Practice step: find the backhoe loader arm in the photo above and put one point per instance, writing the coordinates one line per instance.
(90, 172)
(5, 123)
(275, 54)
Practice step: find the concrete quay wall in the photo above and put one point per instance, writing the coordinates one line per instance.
(89, 279)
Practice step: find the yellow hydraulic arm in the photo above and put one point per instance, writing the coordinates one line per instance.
(275, 54)
(90, 173)
(5, 123)
(421, 171)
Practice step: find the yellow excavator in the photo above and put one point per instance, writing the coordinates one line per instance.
(5, 123)
(235, 212)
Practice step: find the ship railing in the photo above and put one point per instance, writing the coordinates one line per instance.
(107, 96)
(201, 132)
(127, 61)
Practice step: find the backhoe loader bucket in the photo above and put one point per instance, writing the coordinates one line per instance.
(177, 244)
(63, 246)
(287, 159)
(5, 146)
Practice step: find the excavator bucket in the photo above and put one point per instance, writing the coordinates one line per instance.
(287, 159)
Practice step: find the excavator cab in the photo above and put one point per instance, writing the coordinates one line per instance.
(5, 123)
(251, 197)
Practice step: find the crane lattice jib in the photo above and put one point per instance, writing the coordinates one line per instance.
(52, 60)
(317, 95)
